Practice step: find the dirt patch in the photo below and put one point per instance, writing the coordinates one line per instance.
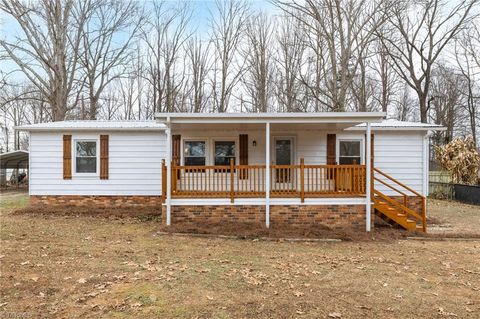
(142, 213)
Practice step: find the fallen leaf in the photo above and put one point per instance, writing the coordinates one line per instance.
(442, 312)
(82, 280)
(334, 315)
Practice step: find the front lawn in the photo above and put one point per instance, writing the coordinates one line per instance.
(100, 267)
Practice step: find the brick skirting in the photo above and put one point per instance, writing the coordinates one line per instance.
(338, 217)
(102, 201)
(346, 217)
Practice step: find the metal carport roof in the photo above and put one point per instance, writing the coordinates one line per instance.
(15, 159)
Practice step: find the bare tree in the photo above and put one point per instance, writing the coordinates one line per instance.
(467, 54)
(199, 66)
(422, 31)
(291, 49)
(165, 35)
(404, 106)
(106, 45)
(46, 51)
(258, 76)
(385, 72)
(228, 26)
(340, 32)
(446, 99)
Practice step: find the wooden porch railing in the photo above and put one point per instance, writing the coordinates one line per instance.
(244, 181)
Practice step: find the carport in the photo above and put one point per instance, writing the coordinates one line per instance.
(15, 161)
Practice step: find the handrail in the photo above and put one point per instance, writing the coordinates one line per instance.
(399, 183)
(407, 210)
(423, 213)
(389, 186)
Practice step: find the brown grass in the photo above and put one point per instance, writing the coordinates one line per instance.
(85, 266)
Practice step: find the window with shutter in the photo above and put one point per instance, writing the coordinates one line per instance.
(104, 156)
(67, 157)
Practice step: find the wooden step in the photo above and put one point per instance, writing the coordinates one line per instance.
(394, 216)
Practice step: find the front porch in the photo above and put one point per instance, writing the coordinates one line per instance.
(267, 164)
(250, 181)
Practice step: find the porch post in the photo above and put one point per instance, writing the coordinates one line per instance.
(368, 172)
(267, 174)
(169, 174)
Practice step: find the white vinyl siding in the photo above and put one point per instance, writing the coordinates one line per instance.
(135, 158)
(400, 155)
(134, 165)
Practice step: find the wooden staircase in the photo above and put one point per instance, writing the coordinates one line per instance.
(395, 212)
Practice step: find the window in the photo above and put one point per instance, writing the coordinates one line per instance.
(350, 152)
(194, 153)
(224, 152)
(85, 156)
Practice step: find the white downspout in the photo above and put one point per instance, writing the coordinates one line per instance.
(169, 172)
(426, 161)
(368, 172)
(267, 174)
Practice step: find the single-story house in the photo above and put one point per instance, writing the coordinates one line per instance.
(338, 170)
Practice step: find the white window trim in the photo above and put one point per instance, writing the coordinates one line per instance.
(209, 147)
(182, 150)
(224, 139)
(273, 154)
(362, 148)
(74, 161)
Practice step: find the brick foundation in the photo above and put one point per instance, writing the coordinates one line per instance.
(337, 217)
(101, 201)
(344, 217)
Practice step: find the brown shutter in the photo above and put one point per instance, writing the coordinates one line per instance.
(67, 157)
(331, 155)
(243, 138)
(103, 156)
(176, 149)
(331, 149)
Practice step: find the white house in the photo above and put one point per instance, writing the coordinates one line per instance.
(270, 168)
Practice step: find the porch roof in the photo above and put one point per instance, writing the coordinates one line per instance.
(316, 117)
(304, 121)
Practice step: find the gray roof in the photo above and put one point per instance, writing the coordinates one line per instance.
(94, 126)
(392, 124)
